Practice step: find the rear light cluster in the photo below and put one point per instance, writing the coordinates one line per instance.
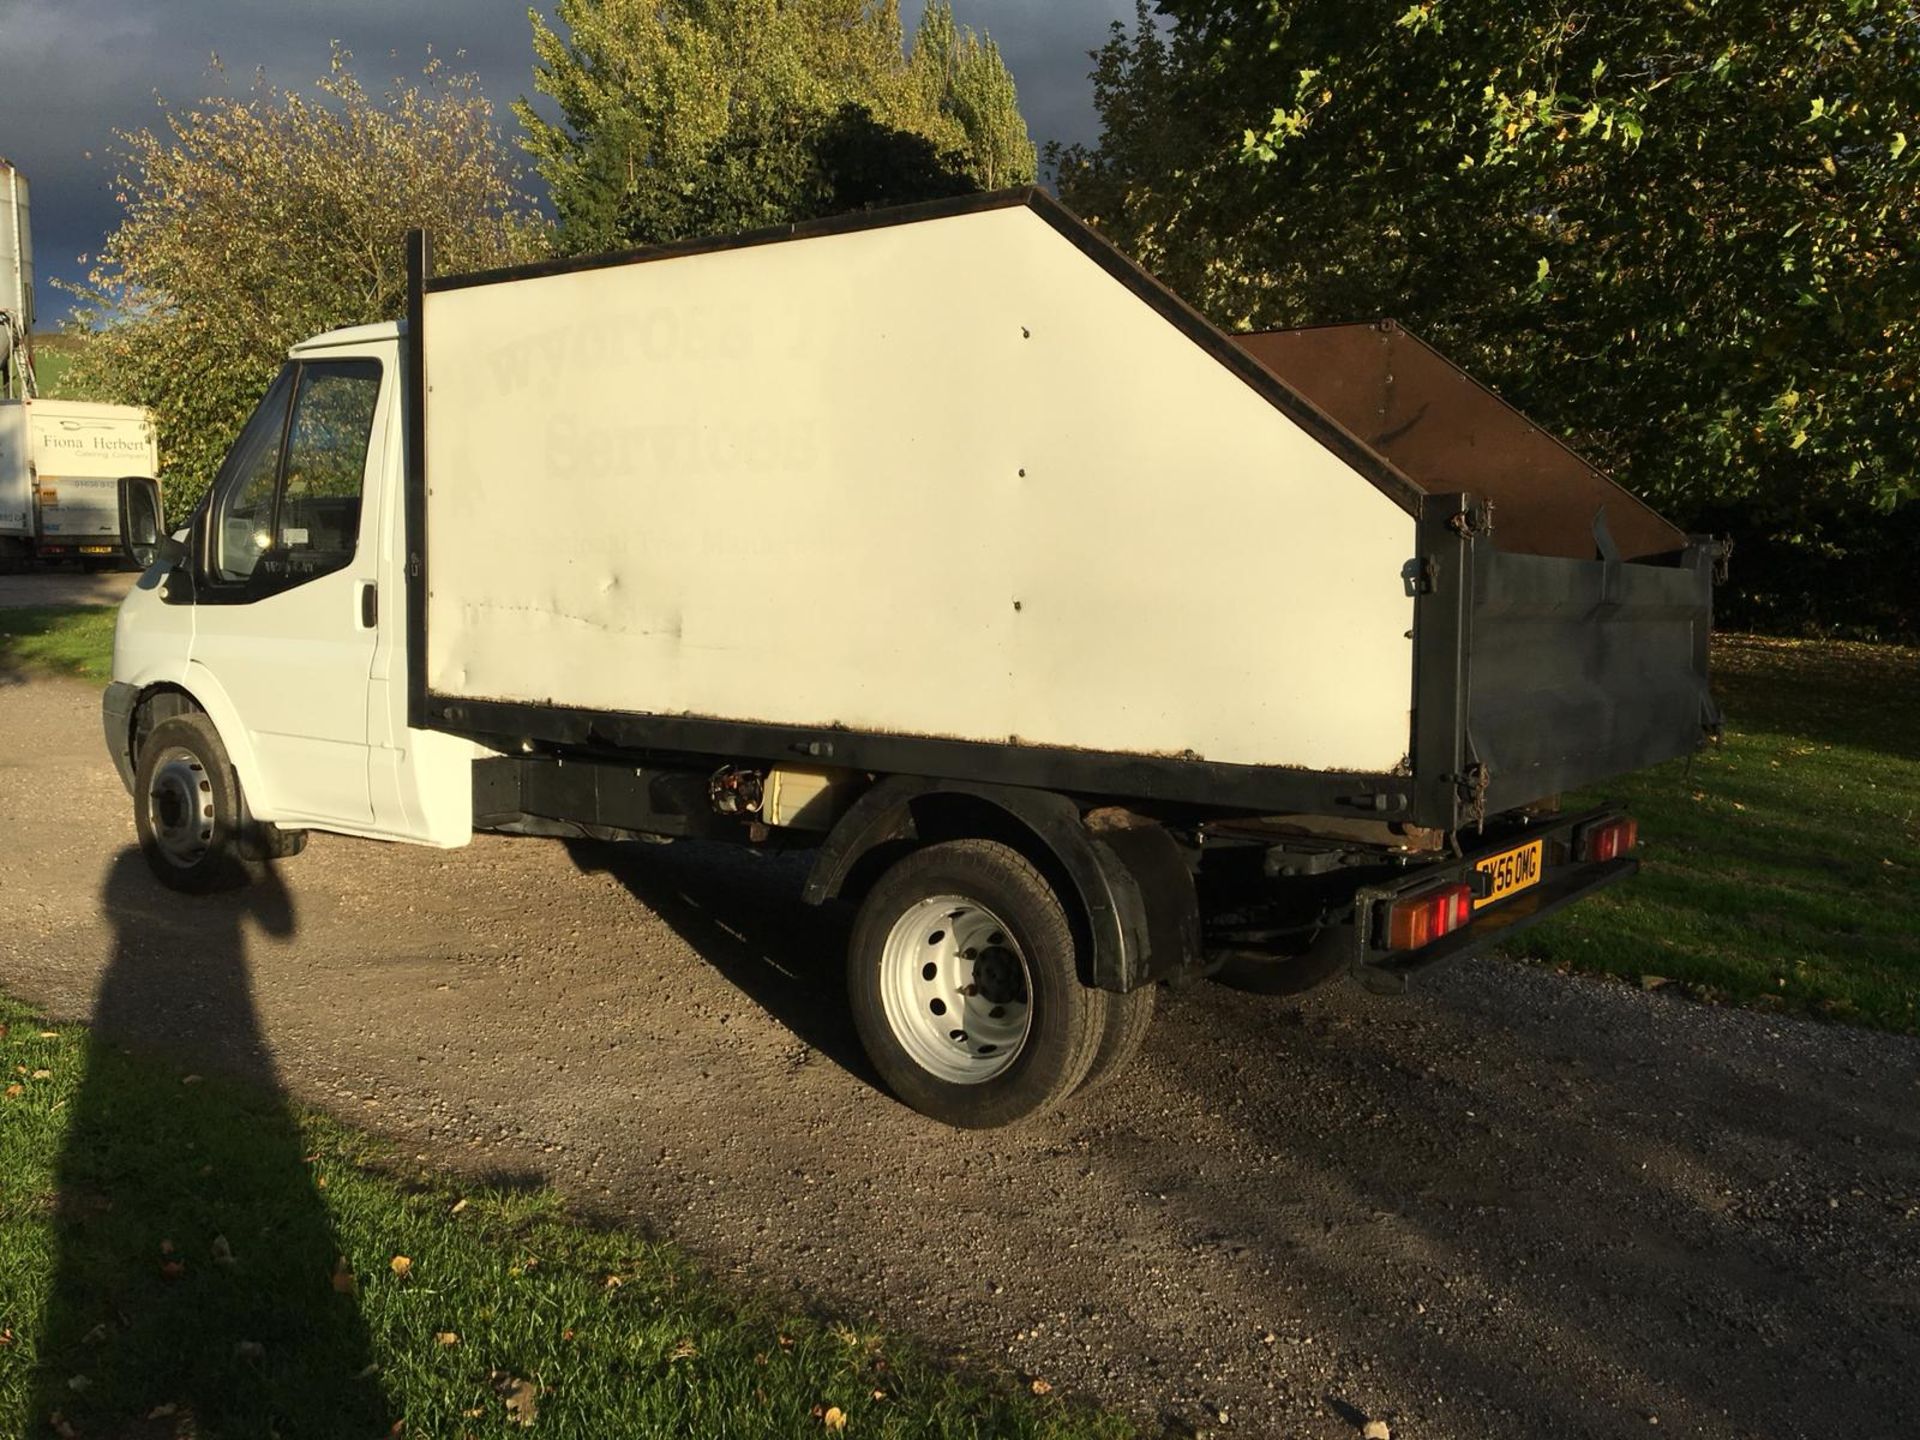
(1610, 839)
(1421, 919)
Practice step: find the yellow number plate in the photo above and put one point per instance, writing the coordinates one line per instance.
(96, 549)
(1512, 871)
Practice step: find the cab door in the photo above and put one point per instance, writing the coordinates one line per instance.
(287, 553)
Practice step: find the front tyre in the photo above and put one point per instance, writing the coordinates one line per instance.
(187, 808)
(964, 987)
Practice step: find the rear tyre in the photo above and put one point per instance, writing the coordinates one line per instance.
(1129, 1017)
(962, 978)
(187, 808)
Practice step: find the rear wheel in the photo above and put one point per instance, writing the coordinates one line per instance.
(187, 808)
(964, 987)
(1129, 1017)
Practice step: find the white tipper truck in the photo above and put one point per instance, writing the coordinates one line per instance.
(1087, 648)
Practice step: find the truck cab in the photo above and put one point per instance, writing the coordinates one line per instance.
(279, 611)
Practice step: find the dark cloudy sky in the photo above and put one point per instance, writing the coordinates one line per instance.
(73, 71)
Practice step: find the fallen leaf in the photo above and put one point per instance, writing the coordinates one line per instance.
(3, 1031)
(343, 1281)
(163, 1412)
(79, 1383)
(521, 1397)
(401, 1266)
(249, 1349)
(173, 1269)
(1376, 1430)
(879, 1394)
(1654, 982)
(458, 1206)
(43, 1074)
(473, 1414)
(367, 1371)
(1040, 1387)
(15, 1091)
(6, 1338)
(614, 1282)
(447, 1337)
(44, 1034)
(399, 1427)
(189, 1079)
(61, 1427)
(835, 1418)
(166, 1247)
(222, 1251)
(566, 1334)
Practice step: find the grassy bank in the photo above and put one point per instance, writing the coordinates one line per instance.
(1782, 868)
(56, 640)
(189, 1257)
(53, 357)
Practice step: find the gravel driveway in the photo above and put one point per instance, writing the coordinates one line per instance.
(65, 587)
(1511, 1204)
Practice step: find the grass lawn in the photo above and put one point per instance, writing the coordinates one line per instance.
(1783, 868)
(52, 355)
(53, 640)
(186, 1257)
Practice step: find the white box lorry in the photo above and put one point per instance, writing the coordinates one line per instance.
(79, 481)
(1087, 647)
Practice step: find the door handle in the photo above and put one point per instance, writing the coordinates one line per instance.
(369, 605)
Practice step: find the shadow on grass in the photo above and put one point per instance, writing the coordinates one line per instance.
(193, 1290)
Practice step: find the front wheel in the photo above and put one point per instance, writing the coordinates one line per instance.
(187, 808)
(964, 987)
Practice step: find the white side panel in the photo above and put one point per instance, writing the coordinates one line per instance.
(16, 470)
(947, 479)
(80, 438)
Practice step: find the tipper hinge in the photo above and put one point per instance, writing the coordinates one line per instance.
(1476, 520)
(1473, 785)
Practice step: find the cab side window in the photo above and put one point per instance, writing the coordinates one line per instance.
(288, 507)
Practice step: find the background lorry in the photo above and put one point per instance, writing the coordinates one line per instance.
(1087, 648)
(78, 481)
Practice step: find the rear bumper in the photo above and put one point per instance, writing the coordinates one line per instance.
(116, 719)
(1563, 881)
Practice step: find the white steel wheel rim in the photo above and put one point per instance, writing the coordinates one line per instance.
(956, 989)
(180, 811)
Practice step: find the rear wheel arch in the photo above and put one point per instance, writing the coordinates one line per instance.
(1130, 902)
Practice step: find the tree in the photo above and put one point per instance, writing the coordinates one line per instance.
(1683, 235)
(254, 221)
(691, 117)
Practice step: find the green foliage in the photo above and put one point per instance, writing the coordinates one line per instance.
(1681, 235)
(255, 221)
(695, 117)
